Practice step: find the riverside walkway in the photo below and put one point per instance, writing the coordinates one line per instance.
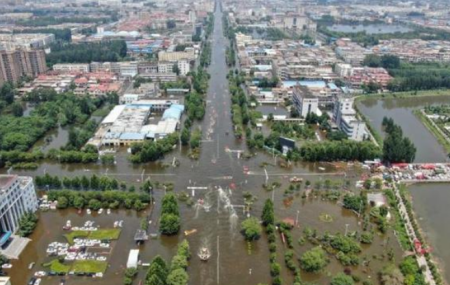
(421, 260)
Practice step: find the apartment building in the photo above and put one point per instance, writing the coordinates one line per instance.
(344, 115)
(18, 63)
(72, 67)
(304, 101)
(17, 197)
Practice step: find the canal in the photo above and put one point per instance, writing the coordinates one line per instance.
(430, 200)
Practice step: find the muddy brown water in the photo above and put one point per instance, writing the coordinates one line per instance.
(232, 262)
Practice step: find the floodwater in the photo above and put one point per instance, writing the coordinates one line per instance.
(431, 207)
(428, 148)
(371, 29)
(232, 261)
(430, 200)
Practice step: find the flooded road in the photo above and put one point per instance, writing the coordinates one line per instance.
(220, 174)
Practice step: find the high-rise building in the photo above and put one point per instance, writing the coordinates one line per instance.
(17, 63)
(17, 197)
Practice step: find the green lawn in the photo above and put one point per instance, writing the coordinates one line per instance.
(105, 234)
(57, 266)
(110, 234)
(90, 266)
(76, 234)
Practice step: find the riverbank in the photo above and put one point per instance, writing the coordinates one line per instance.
(431, 126)
(407, 94)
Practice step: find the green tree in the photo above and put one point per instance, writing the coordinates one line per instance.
(169, 224)
(177, 277)
(251, 229)
(17, 109)
(314, 260)
(342, 279)
(63, 203)
(78, 202)
(268, 214)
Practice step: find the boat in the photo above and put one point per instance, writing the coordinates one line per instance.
(321, 168)
(295, 179)
(204, 254)
(108, 212)
(88, 211)
(189, 232)
(31, 265)
(6, 266)
(100, 211)
(116, 224)
(38, 281)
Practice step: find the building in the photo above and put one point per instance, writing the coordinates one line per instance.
(304, 101)
(25, 41)
(184, 67)
(17, 197)
(344, 115)
(343, 69)
(18, 63)
(4, 280)
(131, 123)
(72, 67)
(133, 258)
(188, 53)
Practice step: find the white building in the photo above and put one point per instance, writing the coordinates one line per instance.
(345, 118)
(304, 101)
(4, 280)
(17, 197)
(165, 67)
(184, 66)
(69, 67)
(343, 69)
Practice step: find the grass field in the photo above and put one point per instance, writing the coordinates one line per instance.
(57, 266)
(90, 266)
(111, 234)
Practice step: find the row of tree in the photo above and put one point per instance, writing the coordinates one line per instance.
(95, 200)
(105, 51)
(159, 273)
(96, 183)
(153, 150)
(170, 221)
(396, 147)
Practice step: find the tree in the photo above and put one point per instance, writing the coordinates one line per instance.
(185, 136)
(175, 69)
(94, 204)
(170, 24)
(170, 224)
(342, 279)
(78, 202)
(397, 148)
(251, 229)
(372, 60)
(268, 214)
(177, 277)
(314, 260)
(17, 109)
(178, 262)
(63, 203)
(157, 272)
(391, 275)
